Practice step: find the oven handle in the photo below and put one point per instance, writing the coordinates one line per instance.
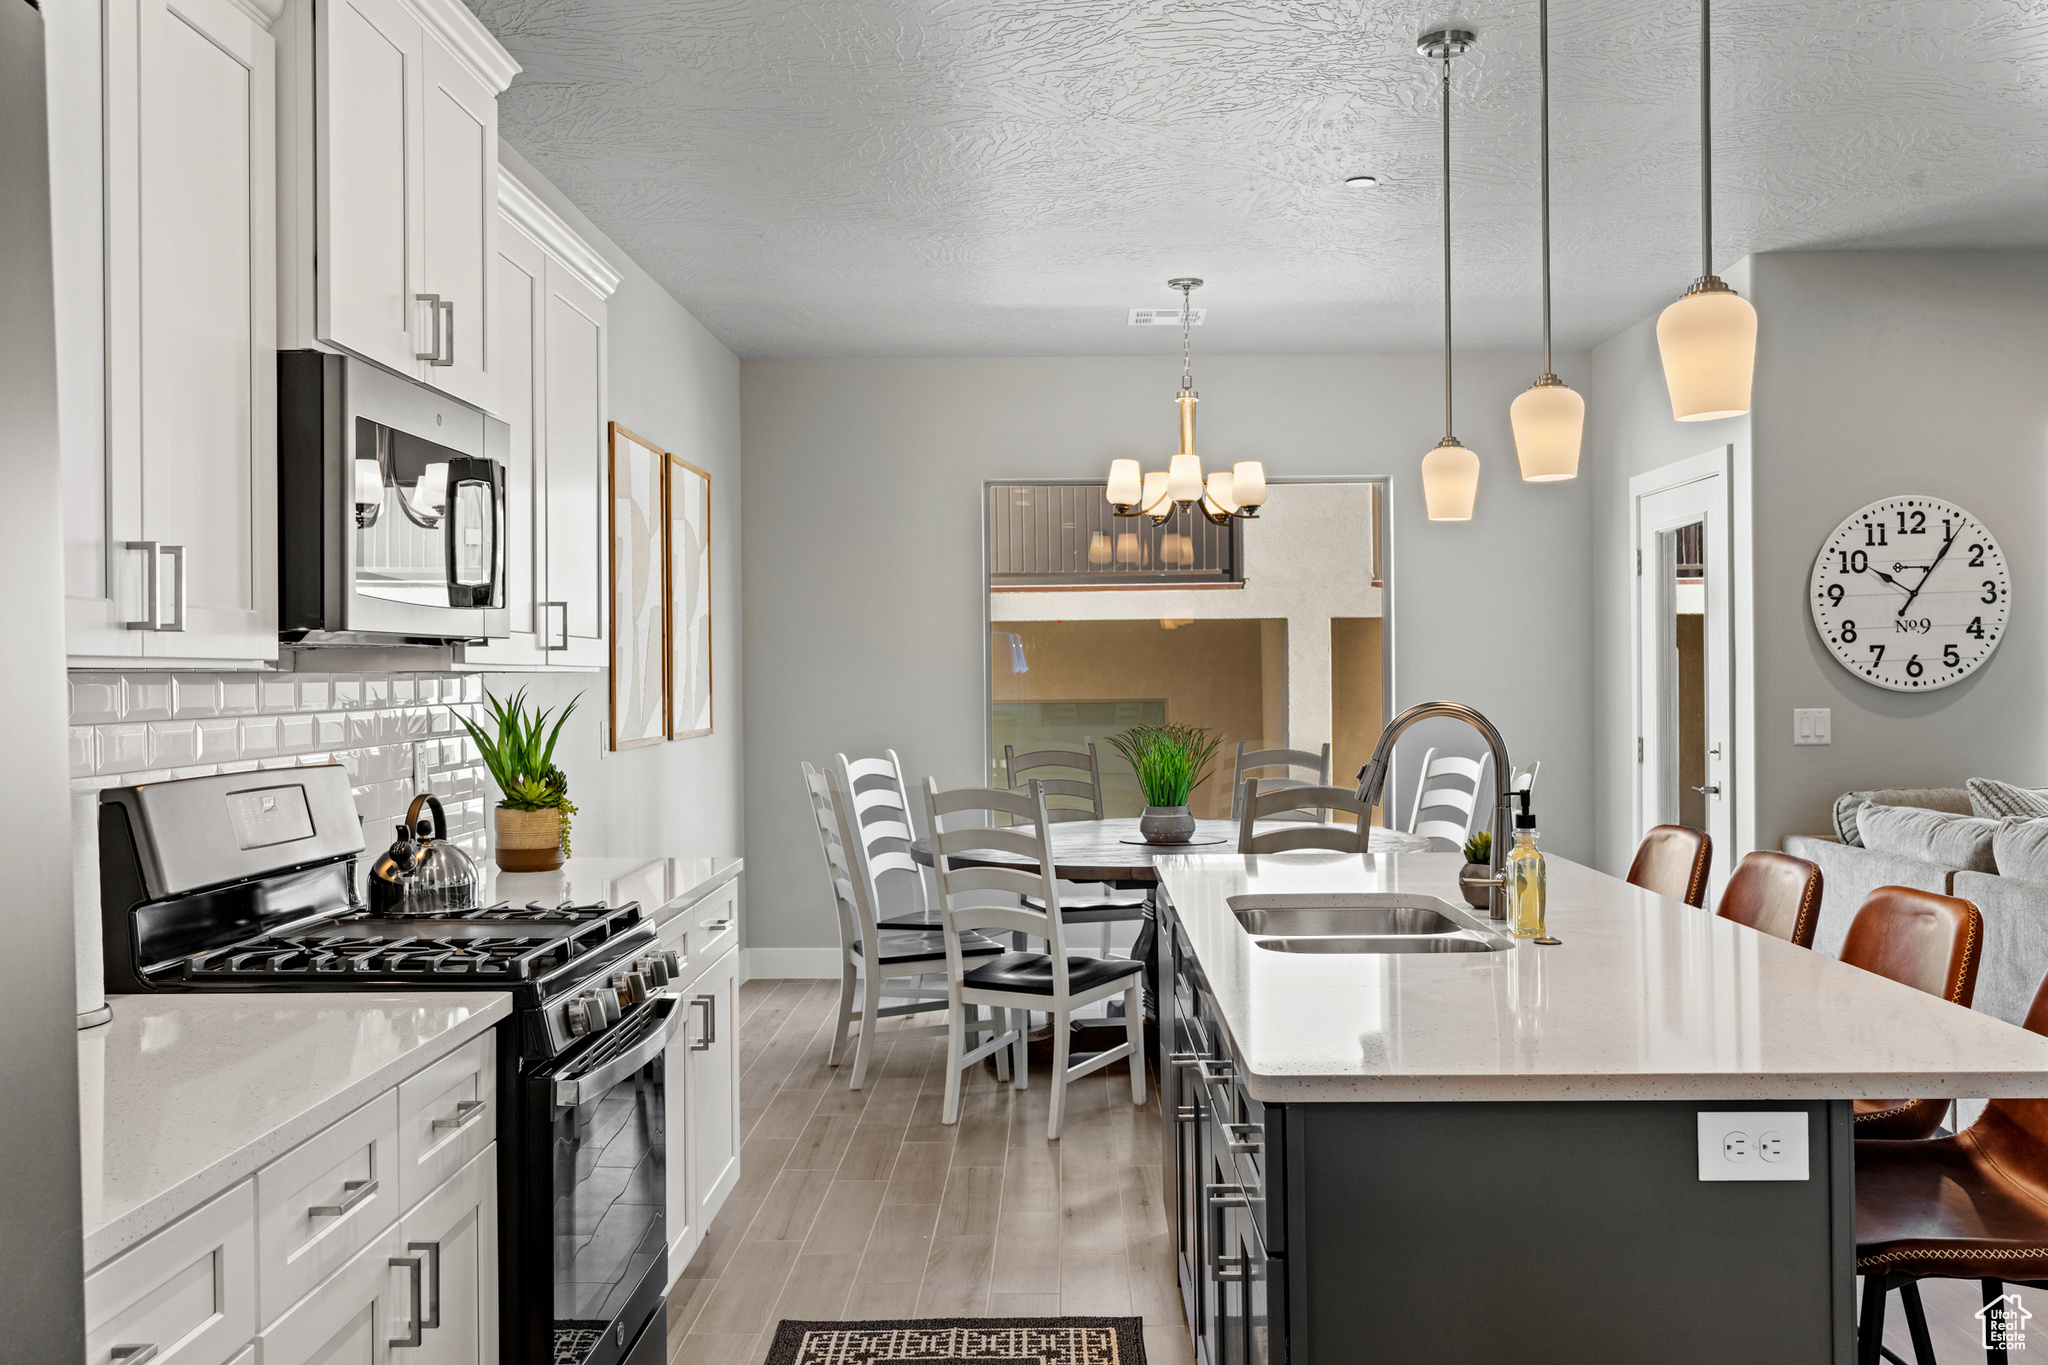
(571, 1091)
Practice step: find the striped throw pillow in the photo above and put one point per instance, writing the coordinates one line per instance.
(1995, 800)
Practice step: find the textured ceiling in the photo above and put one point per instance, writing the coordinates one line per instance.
(943, 177)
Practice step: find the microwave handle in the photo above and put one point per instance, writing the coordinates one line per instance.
(490, 474)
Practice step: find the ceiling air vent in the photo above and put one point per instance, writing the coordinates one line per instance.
(1165, 317)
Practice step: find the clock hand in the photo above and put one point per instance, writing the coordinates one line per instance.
(1931, 568)
(1889, 579)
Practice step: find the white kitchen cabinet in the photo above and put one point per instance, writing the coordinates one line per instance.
(453, 1234)
(388, 162)
(713, 1090)
(550, 355)
(353, 1317)
(189, 1291)
(170, 393)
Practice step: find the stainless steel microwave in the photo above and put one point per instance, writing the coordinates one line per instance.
(391, 508)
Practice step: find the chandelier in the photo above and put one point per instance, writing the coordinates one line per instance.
(1158, 493)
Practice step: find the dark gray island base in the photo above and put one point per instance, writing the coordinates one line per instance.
(1490, 1231)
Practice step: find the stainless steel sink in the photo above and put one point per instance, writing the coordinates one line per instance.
(1461, 942)
(1364, 922)
(1345, 920)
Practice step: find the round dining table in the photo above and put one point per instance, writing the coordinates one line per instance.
(1112, 851)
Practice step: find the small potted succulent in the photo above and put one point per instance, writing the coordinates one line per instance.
(1170, 761)
(533, 817)
(1478, 863)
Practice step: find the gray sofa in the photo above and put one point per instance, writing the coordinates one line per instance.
(2015, 952)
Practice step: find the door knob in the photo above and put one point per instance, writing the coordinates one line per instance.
(1708, 791)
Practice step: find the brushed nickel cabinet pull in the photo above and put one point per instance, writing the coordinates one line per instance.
(354, 1192)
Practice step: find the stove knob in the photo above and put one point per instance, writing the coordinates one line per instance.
(654, 969)
(674, 962)
(577, 1017)
(604, 1008)
(636, 988)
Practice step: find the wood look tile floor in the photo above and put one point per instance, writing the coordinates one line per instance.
(862, 1204)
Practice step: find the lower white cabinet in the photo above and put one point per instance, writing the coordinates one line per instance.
(709, 1166)
(345, 1277)
(452, 1236)
(189, 1292)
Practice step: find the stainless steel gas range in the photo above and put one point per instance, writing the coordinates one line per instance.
(246, 882)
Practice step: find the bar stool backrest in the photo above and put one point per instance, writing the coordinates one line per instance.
(1930, 942)
(2015, 1132)
(1775, 894)
(1673, 861)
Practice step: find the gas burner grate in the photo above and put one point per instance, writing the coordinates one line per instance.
(567, 912)
(514, 958)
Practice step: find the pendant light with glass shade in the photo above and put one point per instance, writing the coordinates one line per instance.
(1708, 337)
(1158, 493)
(1548, 418)
(1450, 473)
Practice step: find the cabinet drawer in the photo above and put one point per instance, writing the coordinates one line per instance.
(352, 1316)
(323, 1201)
(189, 1291)
(446, 1115)
(718, 924)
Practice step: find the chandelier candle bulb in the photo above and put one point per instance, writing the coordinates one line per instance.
(1248, 484)
(1126, 482)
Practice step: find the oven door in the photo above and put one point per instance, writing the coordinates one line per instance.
(610, 1196)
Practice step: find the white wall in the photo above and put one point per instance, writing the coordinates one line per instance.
(864, 575)
(672, 382)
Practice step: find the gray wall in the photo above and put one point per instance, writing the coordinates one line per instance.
(42, 1294)
(672, 382)
(1882, 373)
(864, 578)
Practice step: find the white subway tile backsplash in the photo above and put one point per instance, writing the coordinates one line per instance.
(220, 739)
(145, 696)
(376, 690)
(316, 692)
(95, 698)
(173, 743)
(362, 729)
(472, 687)
(281, 693)
(240, 694)
(298, 732)
(194, 695)
(333, 730)
(123, 748)
(260, 737)
(404, 690)
(348, 692)
(80, 743)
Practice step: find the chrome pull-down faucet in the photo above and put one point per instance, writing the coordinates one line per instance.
(1372, 780)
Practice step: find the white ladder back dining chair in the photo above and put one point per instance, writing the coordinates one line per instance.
(974, 898)
(1287, 760)
(1283, 802)
(1085, 789)
(879, 804)
(1526, 782)
(1434, 792)
(870, 955)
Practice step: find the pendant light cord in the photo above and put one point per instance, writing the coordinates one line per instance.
(1543, 51)
(1706, 143)
(1448, 433)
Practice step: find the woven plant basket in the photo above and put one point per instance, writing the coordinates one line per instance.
(529, 840)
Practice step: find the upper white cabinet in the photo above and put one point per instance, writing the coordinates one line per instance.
(388, 129)
(550, 359)
(167, 361)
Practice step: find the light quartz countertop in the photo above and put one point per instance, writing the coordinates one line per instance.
(665, 887)
(1646, 998)
(180, 1096)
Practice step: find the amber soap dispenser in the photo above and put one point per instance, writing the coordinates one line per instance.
(1526, 891)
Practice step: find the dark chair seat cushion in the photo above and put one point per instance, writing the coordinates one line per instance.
(1948, 1207)
(912, 945)
(1032, 973)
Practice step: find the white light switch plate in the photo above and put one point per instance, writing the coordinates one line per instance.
(1812, 726)
(1753, 1145)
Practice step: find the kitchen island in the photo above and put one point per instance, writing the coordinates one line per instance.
(1497, 1153)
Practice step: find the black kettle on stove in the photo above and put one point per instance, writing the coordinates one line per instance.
(423, 873)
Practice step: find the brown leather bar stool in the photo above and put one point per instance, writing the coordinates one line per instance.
(1931, 943)
(1672, 861)
(1775, 894)
(1969, 1207)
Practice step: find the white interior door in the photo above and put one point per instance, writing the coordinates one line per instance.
(1685, 719)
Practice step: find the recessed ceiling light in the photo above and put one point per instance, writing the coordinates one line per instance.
(1361, 182)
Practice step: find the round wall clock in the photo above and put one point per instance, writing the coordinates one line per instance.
(1911, 593)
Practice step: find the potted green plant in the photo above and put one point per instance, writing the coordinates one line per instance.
(1478, 863)
(1170, 761)
(533, 817)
